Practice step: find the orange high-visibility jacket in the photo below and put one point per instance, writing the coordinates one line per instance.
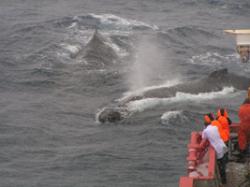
(244, 130)
(222, 133)
(223, 119)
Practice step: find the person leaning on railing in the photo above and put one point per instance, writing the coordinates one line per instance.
(223, 134)
(211, 133)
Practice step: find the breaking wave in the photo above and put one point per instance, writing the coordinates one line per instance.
(118, 23)
(172, 115)
(143, 104)
(211, 59)
(103, 22)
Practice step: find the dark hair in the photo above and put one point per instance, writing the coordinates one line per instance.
(208, 121)
(222, 111)
(206, 124)
(211, 116)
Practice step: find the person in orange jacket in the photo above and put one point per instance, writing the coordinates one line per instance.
(222, 117)
(209, 118)
(244, 125)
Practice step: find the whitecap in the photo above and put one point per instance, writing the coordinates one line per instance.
(211, 59)
(73, 25)
(68, 50)
(148, 103)
(119, 51)
(169, 115)
(121, 23)
(74, 49)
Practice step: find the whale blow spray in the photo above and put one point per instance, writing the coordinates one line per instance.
(148, 67)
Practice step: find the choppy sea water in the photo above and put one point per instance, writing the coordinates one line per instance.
(53, 82)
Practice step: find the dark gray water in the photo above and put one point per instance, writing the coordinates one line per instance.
(54, 79)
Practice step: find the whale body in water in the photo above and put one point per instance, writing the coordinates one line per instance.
(215, 81)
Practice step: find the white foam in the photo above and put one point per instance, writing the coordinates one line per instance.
(143, 104)
(212, 59)
(170, 115)
(121, 23)
(73, 25)
(68, 50)
(116, 48)
(76, 18)
(62, 54)
(140, 91)
(72, 48)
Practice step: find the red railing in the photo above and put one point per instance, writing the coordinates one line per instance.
(194, 151)
(196, 154)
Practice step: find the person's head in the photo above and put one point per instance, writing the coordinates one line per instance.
(222, 112)
(208, 118)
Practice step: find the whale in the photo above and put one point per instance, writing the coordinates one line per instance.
(98, 52)
(215, 81)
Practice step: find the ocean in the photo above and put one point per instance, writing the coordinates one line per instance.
(63, 62)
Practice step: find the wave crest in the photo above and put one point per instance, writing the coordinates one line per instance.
(143, 104)
(115, 22)
(170, 116)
